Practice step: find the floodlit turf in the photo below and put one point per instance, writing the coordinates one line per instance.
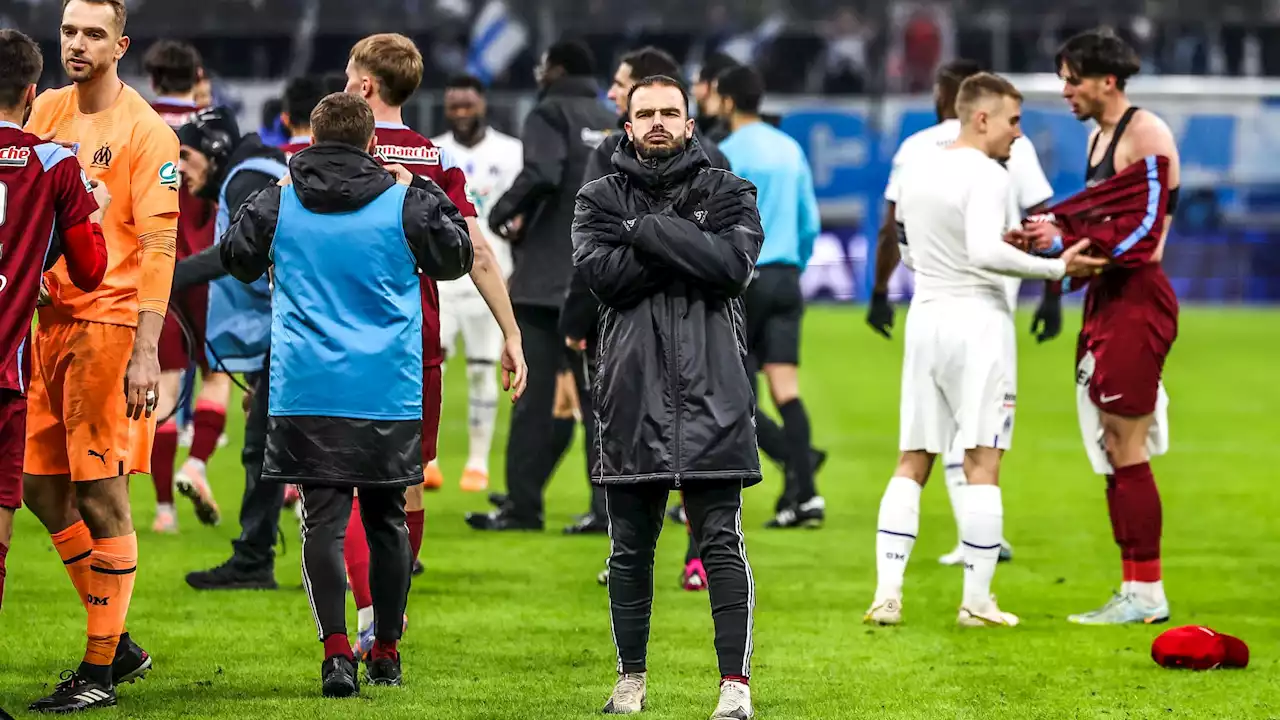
(514, 625)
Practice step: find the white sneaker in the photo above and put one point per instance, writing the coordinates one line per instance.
(628, 695)
(735, 702)
(1123, 609)
(884, 612)
(953, 558)
(989, 616)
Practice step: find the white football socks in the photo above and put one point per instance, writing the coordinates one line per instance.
(956, 483)
(980, 531)
(897, 527)
(1148, 594)
(482, 396)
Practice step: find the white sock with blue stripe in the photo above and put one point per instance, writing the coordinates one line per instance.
(897, 527)
(980, 533)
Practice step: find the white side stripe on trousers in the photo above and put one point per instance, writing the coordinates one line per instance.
(306, 580)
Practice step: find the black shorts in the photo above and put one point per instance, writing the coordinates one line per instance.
(774, 307)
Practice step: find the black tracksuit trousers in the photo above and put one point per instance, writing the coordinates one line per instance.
(715, 515)
(325, 512)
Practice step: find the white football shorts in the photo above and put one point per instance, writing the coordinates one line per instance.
(959, 376)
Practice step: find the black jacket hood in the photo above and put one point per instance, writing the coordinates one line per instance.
(249, 146)
(334, 177)
(656, 174)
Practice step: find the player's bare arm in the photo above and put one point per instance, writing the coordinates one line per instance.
(487, 276)
(1149, 135)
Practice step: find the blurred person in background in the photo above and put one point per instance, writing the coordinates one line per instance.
(176, 71)
(301, 96)
(535, 215)
(777, 166)
(1029, 194)
(491, 161)
(710, 124)
(217, 162)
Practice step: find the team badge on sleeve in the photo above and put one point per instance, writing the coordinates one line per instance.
(169, 176)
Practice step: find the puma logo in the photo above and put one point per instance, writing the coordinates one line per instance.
(101, 456)
(97, 601)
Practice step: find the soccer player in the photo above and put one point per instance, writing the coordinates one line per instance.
(42, 190)
(776, 165)
(1130, 316)
(1030, 192)
(301, 95)
(491, 160)
(385, 70)
(176, 70)
(95, 371)
(959, 370)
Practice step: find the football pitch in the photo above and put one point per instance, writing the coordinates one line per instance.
(514, 626)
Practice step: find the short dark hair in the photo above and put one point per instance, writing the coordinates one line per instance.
(343, 118)
(659, 81)
(20, 67)
(465, 82)
(173, 66)
(650, 60)
(744, 86)
(714, 64)
(572, 56)
(1097, 53)
(301, 96)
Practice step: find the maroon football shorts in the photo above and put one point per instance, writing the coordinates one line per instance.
(1127, 369)
(13, 442)
(431, 397)
(177, 351)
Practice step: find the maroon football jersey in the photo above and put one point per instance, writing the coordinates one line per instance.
(296, 144)
(42, 189)
(195, 216)
(397, 144)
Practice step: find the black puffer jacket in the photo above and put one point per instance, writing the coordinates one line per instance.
(672, 397)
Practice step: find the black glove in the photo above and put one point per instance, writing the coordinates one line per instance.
(689, 206)
(880, 314)
(1047, 324)
(723, 210)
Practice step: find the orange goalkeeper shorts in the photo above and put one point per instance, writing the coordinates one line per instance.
(77, 412)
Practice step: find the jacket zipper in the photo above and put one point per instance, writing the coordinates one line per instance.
(675, 393)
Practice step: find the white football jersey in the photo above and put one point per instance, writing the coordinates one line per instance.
(954, 207)
(490, 166)
(1028, 185)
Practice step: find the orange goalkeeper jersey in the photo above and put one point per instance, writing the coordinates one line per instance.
(129, 148)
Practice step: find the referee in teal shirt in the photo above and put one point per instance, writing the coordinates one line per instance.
(777, 166)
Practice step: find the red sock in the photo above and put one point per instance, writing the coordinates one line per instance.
(735, 678)
(4, 552)
(1138, 516)
(356, 551)
(338, 644)
(385, 650)
(164, 454)
(415, 520)
(209, 420)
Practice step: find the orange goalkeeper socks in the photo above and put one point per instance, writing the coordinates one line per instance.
(113, 569)
(75, 546)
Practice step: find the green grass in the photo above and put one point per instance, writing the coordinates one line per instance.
(514, 626)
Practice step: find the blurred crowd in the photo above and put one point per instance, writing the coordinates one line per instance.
(802, 46)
